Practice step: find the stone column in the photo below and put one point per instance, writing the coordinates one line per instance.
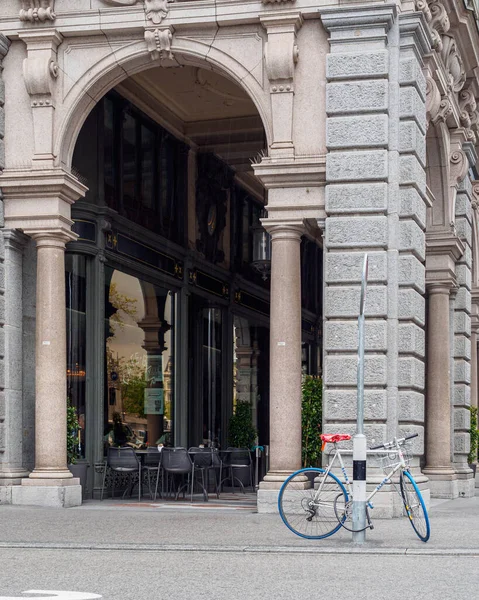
(285, 360)
(11, 465)
(443, 479)
(50, 367)
(38, 202)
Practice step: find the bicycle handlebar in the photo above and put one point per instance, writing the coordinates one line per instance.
(394, 442)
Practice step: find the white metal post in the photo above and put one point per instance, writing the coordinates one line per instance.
(359, 440)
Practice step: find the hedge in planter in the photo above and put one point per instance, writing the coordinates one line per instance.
(241, 433)
(311, 421)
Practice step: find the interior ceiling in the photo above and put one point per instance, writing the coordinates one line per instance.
(213, 111)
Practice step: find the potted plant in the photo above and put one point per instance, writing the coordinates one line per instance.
(242, 434)
(474, 433)
(311, 421)
(78, 469)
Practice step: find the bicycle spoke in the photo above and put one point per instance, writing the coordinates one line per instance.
(306, 503)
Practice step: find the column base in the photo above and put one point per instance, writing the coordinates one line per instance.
(267, 496)
(55, 493)
(12, 476)
(442, 482)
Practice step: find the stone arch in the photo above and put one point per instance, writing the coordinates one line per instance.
(133, 58)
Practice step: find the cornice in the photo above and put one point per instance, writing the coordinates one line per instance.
(444, 244)
(345, 17)
(299, 172)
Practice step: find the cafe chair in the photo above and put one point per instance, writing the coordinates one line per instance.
(236, 460)
(177, 461)
(152, 466)
(122, 461)
(203, 463)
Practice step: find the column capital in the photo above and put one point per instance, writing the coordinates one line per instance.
(39, 202)
(443, 250)
(440, 287)
(350, 17)
(284, 230)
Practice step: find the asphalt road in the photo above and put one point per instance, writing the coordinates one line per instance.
(207, 575)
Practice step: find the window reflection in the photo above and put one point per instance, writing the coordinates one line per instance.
(75, 274)
(139, 362)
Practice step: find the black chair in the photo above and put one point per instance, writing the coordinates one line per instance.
(177, 461)
(235, 459)
(152, 465)
(122, 461)
(204, 462)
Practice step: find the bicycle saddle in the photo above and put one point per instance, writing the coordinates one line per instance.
(334, 437)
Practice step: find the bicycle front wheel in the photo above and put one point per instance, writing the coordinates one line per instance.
(307, 500)
(415, 506)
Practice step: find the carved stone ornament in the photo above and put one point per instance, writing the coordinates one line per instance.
(459, 165)
(436, 16)
(276, 1)
(37, 11)
(158, 42)
(433, 99)
(155, 10)
(454, 64)
(444, 112)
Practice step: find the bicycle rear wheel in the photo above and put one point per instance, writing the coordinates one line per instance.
(306, 503)
(415, 506)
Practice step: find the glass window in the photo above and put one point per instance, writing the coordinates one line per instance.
(212, 376)
(109, 154)
(139, 405)
(148, 140)
(129, 172)
(75, 274)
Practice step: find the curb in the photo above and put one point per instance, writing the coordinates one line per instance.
(241, 549)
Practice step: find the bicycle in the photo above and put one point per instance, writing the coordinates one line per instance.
(315, 504)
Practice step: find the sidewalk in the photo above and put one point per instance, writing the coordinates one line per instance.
(225, 527)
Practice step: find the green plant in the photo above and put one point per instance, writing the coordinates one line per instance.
(311, 420)
(241, 433)
(472, 458)
(73, 427)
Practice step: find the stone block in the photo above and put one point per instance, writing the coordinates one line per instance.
(362, 131)
(412, 206)
(410, 373)
(465, 186)
(466, 258)
(412, 173)
(49, 496)
(416, 445)
(375, 433)
(357, 97)
(412, 239)
(462, 395)
(2, 154)
(341, 405)
(342, 370)
(347, 267)
(5, 494)
(410, 74)
(463, 206)
(356, 232)
(462, 418)
(357, 65)
(462, 347)
(411, 306)
(343, 301)
(356, 198)
(464, 276)
(462, 442)
(412, 273)
(464, 230)
(463, 300)
(412, 140)
(462, 371)
(462, 323)
(412, 106)
(2, 123)
(343, 336)
(355, 166)
(411, 406)
(411, 339)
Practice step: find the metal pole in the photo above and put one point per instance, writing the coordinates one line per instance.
(359, 440)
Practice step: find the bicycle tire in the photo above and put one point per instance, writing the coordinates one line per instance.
(415, 506)
(345, 516)
(310, 518)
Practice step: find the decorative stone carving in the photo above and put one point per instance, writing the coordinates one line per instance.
(276, 1)
(455, 70)
(37, 11)
(439, 23)
(155, 10)
(433, 99)
(459, 165)
(158, 42)
(444, 112)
